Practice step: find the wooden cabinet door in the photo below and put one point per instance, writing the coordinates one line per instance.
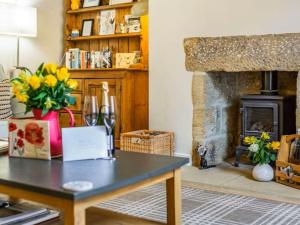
(93, 87)
(64, 120)
(64, 117)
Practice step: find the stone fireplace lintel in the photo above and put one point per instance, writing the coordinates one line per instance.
(279, 52)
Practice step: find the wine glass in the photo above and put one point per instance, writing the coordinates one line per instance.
(110, 123)
(90, 110)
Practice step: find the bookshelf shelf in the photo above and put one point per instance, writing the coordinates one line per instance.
(99, 8)
(97, 37)
(109, 69)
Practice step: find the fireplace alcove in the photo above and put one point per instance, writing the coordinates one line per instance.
(227, 69)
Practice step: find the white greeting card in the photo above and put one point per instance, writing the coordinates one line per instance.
(80, 143)
(29, 138)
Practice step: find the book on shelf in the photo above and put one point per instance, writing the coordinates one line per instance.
(81, 59)
(24, 213)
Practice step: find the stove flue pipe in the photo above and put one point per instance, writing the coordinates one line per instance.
(269, 83)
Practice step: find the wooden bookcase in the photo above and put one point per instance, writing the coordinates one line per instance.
(130, 86)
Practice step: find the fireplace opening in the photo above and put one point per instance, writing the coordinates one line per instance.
(266, 112)
(231, 98)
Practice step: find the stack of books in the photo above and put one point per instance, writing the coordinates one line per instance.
(81, 59)
(25, 214)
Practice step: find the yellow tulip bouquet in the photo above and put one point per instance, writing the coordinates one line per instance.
(49, 88)
(262, 150)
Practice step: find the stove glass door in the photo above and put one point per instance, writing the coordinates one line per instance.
(260, 117)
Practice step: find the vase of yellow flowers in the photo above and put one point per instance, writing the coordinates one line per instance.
(262, 151)
(45, 93)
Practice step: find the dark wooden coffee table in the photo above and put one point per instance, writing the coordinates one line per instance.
(41, 181)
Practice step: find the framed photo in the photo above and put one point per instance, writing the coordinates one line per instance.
(107, 22)
(87, 27)
(114, 2)
(133, 23)
(124, 60)
(90, 3)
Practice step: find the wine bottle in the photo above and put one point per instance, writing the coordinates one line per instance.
(104, 105)
(104, 117)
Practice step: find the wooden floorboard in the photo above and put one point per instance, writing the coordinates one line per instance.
(96, 216)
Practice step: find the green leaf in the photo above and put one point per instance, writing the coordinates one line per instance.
(273, 157)
(40, 96)
(45, 111)
(16, 80)
(262, 154)
(71, 99)
(56, 107)
(39, 71)
(25, 69)
(27, 109)
(69, 90)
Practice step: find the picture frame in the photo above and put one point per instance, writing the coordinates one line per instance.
(90, 3)
(115, 2)
(124, 60)
(133, 23)
(107, 22)
(87, 27)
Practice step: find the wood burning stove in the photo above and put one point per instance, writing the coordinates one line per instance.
(267, 112)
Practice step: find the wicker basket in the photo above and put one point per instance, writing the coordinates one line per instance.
(287, 173)
(148, 141)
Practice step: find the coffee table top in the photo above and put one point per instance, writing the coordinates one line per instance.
(47, 177)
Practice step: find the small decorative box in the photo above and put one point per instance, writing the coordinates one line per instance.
(29, 138)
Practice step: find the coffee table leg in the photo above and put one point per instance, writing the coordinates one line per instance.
(74, 215)
(174, 199)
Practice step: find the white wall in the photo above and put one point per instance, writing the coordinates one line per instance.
(47, 47)
(170, 22)
(173, 20)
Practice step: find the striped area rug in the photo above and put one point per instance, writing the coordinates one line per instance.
(206, 207)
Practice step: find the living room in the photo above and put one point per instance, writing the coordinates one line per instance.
(210, 74)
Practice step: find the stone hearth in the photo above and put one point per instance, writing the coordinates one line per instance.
(225, 68)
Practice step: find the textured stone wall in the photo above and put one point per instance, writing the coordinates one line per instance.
(216, 103)
(298, 102)
(214, 107)
(243, 53)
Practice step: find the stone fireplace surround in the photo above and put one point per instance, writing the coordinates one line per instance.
(225, 68)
